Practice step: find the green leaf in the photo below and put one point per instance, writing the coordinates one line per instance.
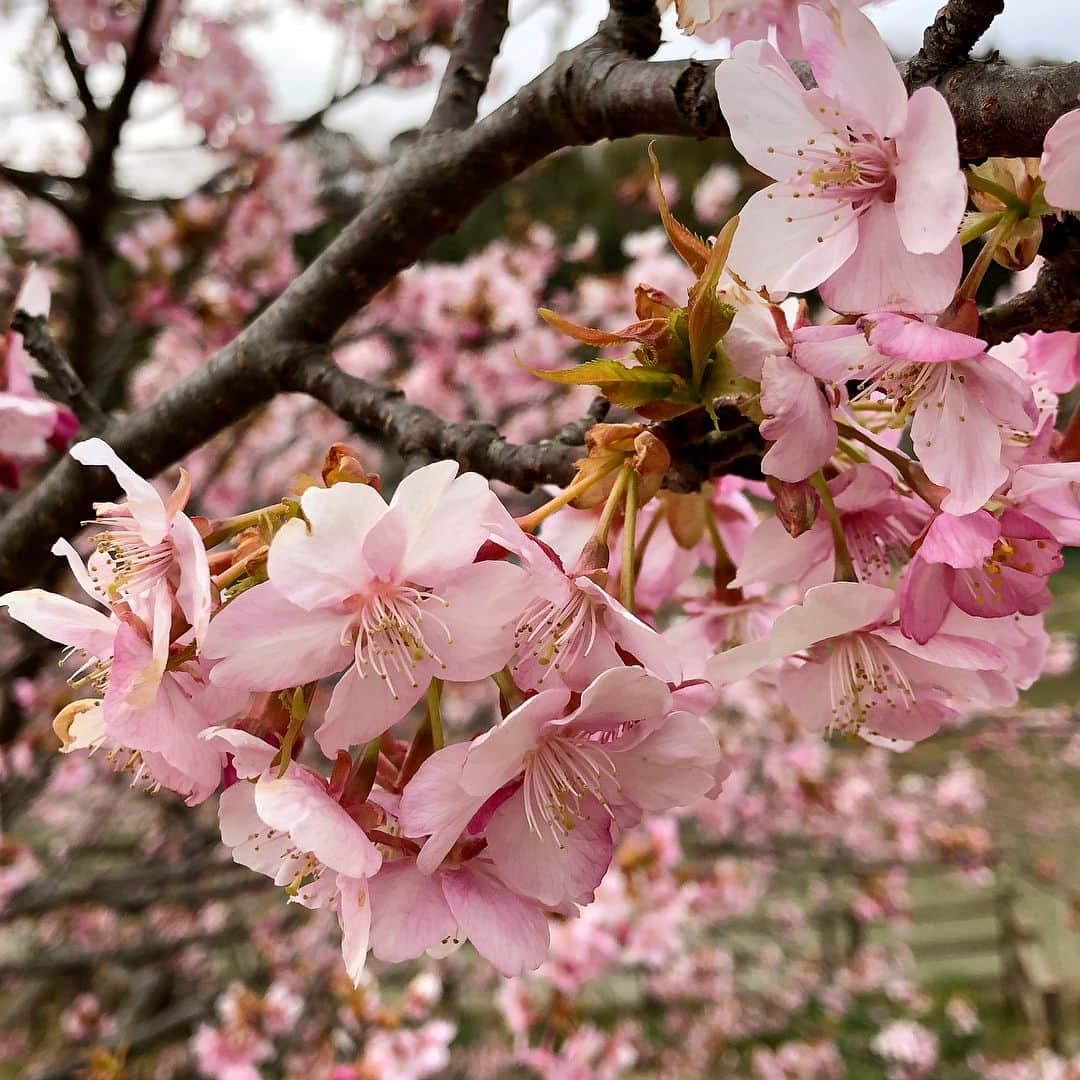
(621, 385)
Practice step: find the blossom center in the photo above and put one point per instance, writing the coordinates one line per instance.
(864, 680)
(560, 773)
(391, 631)
(556, 634)
(858, 172)
(133, 566)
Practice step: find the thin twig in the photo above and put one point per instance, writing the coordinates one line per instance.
(66, 386)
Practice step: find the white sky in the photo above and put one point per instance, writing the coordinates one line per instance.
(295, 48)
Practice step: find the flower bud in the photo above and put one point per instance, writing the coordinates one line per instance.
(796, 505)
(342, 466)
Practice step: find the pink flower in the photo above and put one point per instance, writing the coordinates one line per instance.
(390, 594)
(988, 567)
(543, 786)
(150, 714)
(1060, 163)
(862, 676)
(571, 630)
(879, 526)
(961, 401)
(869, 193)
(293, 830)
(149, 547)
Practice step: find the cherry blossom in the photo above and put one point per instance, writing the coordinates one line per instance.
(862, 676)
(961, 402)
(362, 586)
(869, 192)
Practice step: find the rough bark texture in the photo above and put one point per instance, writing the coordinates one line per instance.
(951, 36)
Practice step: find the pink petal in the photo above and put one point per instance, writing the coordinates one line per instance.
(773, 555)
(617, 697)
(905, 338)
(853, 66)
(496, 757)
(62, 620)
(835, 354)
(299, 805)
(435, 805)
(960, 541)
(145, 504)
(931, 193)
(446, 534)
(674, 766)
(1003, 393)
(765, 109)
(244, 832)
(752, 336)
(948, 650)
(316, 565)
(549, 872)
(789, 241)
(479, 609)
(251, 755)
(924, 599)
(266, 643)
(826, 611)
(362, 707)
(632, 635)
(883, 275)
(1060, 164)
(26, 423)
(409, 914)
(1054, 358)
(383, 549)
(510, 932)
(193, 591)
(354, 917)
(799, 425)
(79, 571)
(959, 445)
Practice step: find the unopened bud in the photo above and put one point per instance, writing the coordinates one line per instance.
(650, 303)
(796, 505)
(593, 560)
(342, 466)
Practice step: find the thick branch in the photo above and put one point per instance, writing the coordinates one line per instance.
(478, 35)
(1052, 304)
(41, 186)
(597, 90)
(951, 36)
(412, 429)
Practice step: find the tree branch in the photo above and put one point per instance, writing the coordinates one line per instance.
(43, 186)
(412, 429)
(596, 90)
(950, 38)
(478, 35)
(65, 384)
(74, 65)
(1053, 302)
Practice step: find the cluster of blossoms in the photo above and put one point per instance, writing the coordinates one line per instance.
(887, 594)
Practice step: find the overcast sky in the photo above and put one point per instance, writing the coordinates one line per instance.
(295, 49)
